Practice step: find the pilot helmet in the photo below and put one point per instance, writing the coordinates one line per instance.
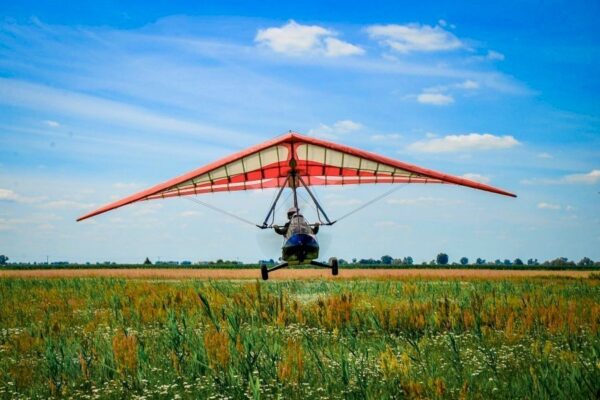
(291, 212)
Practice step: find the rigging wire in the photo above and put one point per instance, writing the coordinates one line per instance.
(244, 220)
(381, 196)
(284, 202)
(311, 204)
(314, 191)
(217, 209)
(308, 203)
(281, 204)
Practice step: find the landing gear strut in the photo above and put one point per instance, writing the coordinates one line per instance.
(333, 265)
(264, 271)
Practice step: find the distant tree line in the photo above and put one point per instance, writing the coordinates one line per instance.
(444, 259)
(386, 261)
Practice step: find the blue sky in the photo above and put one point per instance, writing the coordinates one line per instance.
(100, 100)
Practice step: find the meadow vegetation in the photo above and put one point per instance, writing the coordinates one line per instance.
(379, 339)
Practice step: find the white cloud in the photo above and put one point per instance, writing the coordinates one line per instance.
(338, 128)
(437, 99)
(477, 177)
(389, 137)
(148, 209)
(544, 155)
(29, 220)
(441, 94)
(415, 37)
(589, 178)
(467, 85)
(491, 55)
(39, 97)
(467, 142)
(68, 204)
(346, 125)
(338, 48)
(297, 39)
(11, 196)
(549, 206)
(494, 55)
(7, 224)
(292, 38)
(8, 195)
(51, 124)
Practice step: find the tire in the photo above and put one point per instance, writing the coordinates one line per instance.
(264, 272)
(334, 266)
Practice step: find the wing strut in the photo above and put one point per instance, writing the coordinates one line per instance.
(312, 196)
(272, 209)
(292, 182)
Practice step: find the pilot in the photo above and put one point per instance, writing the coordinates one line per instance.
(282, 230)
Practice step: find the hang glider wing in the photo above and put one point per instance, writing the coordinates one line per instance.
(318, 162)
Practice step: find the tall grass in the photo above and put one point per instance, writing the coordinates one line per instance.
(115, 338)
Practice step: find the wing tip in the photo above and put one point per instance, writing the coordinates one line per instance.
(85, 216)
(495, 190)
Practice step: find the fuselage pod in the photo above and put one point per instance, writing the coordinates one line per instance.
(300, 244)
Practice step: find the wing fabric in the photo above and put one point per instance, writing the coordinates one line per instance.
(318, 162)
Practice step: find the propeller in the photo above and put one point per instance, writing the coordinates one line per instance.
(269, 243)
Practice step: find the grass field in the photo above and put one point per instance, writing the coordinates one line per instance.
(465, 336)
(253, 273)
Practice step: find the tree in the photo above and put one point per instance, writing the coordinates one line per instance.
(408, 260)
(507, 262)
(387, 260)
(480, 261)
(464, 261)
(585, 262)
(442, 259)
(518, 261)
(147, 261)
(560, 262)
(3, 259)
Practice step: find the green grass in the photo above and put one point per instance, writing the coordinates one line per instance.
(595, 267)
(418, 338)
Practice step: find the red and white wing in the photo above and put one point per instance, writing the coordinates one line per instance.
(317, 161)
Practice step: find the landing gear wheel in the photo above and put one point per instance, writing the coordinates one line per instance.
(264, 272)
(334, 266)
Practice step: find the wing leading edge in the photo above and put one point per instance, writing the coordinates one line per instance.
(317, 161)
